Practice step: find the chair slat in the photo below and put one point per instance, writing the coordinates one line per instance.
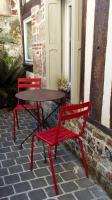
(25, 83)
(22, 80)
(73, 115)
(33, 85)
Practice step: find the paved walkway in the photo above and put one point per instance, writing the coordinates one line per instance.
(17, 182)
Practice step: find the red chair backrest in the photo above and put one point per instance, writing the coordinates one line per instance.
(26, 83)
(69, 112)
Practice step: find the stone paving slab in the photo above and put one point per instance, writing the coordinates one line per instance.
(17, 182)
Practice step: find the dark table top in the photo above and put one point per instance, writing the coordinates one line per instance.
(40, 95)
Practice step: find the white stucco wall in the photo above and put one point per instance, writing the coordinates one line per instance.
(108, 74)
(90, 17)
(89, 47)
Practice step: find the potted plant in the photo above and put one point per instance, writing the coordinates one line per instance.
(64, 85)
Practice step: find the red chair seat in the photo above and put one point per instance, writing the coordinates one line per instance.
(49, 136)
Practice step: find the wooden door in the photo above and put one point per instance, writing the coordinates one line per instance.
(53, 42)
(76, 50)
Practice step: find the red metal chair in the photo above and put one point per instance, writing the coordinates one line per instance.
(24, 83)
(59, 134)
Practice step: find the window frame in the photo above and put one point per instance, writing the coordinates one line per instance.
(25, 22)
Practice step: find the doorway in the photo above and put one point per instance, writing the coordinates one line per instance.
(71, 45)
(68, 39)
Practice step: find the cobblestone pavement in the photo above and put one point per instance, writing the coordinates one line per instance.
(17, 182)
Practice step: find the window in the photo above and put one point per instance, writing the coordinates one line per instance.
(28, 39)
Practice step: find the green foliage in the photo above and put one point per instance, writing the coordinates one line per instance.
(7, 39)
(10, 70)
(15, 29)
(13, 35)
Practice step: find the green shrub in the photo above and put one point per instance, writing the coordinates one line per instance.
(10, 70)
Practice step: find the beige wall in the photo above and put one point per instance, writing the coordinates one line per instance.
(5, 8)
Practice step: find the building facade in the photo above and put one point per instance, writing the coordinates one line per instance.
(72, 39)
(96, 75)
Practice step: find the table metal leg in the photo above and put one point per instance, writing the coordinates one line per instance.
(42, 123)
(45, 159)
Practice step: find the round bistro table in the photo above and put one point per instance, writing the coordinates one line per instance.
(38, 96)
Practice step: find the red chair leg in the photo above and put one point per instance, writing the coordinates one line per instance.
(83, 157)
(17, 119)
(14, 126)
(32, 151)
(55, 151)
(52, 170)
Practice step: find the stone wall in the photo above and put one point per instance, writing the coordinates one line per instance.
(10, 35)
(38, 41)
(98, 151)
